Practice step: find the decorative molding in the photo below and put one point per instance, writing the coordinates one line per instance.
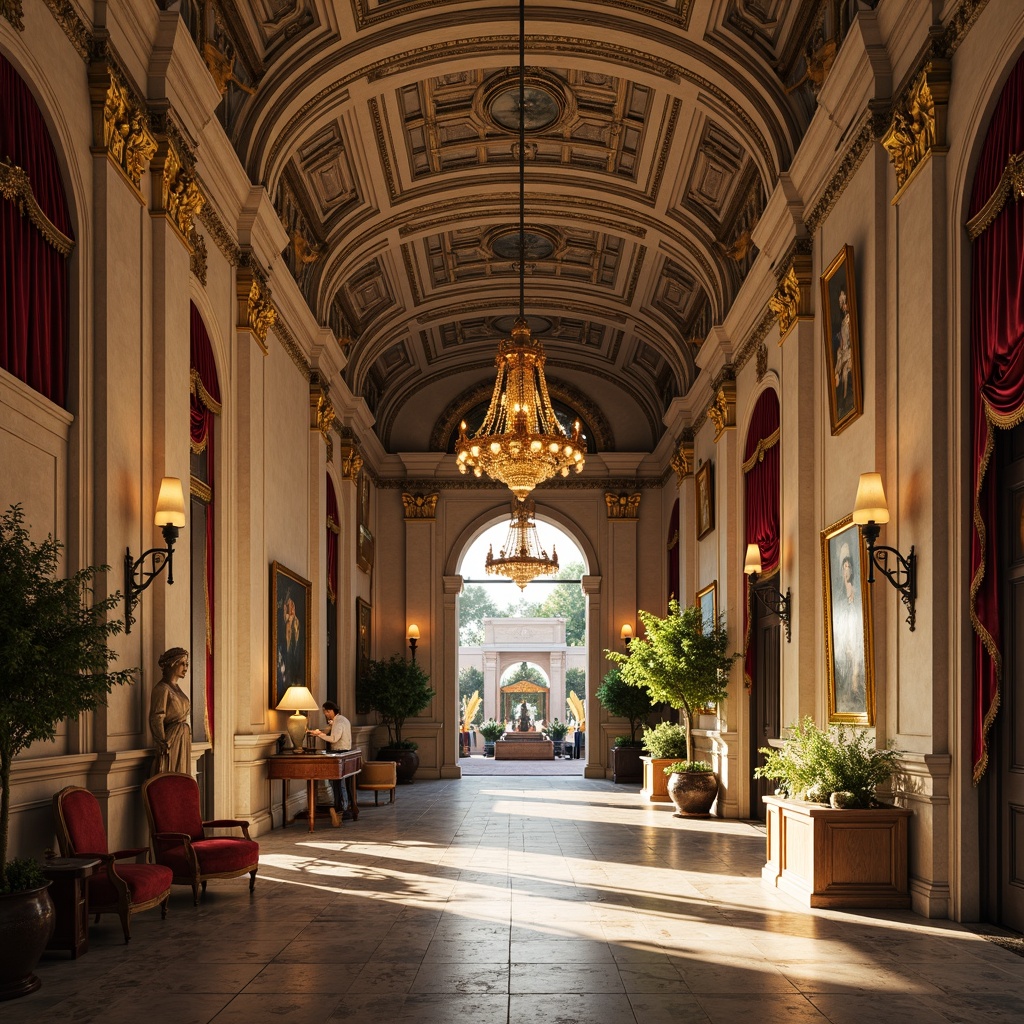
(420, 506)
(351, 459)
(120, 123)
(200, 489)
(762, 360)
(1011, 183)
(321, 413)
(623, 506)
(197, 255)
(13, 12)
(792, 299)
(291, 346)
(756, 338)
(722, 410)
(682, 457)
(71, 25)
(870, 128)
(256, 313)
(221, 238)
(762, 446)
(177, 196)
(15, 186)
(918, 122)
(958, 26)
(576, 483)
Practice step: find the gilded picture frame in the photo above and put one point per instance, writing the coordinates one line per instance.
(290, 646)
(849, 638)
(841, 341)
(364, 537)
(364, 649)
(704, 496)
(707, 601)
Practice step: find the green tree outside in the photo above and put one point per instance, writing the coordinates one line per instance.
(576, 679)
(471, 680)
(475, 605)
(524, 671)
(567, 601)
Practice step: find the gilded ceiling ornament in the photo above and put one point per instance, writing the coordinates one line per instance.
(622, 506)
(785, 302)
(15, 186)
(918, 122)
(12, 11)
(682, 459)
(303, 252)
(261, 314)
(419, 506)
(222, 67)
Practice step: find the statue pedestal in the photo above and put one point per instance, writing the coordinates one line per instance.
(524, 746)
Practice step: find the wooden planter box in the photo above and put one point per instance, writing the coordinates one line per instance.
(829, 858)
(655, 788)
(625, 764)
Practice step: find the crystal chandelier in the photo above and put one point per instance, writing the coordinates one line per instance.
(522, 558)
(520, 442)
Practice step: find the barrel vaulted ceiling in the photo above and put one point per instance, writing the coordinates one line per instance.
(384, 131)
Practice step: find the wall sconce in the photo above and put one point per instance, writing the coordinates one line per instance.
(626, 634)
(770, 596)
(297, 699)
(413, 635)
(869, 512)
(170, 517)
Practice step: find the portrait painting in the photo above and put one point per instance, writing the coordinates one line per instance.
(364, 538)
(849, 646)
(707, 601)
(842, 341)
(705, 497)
(364, 647)
(289, 631)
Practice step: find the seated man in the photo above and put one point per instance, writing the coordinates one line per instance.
(338, 739)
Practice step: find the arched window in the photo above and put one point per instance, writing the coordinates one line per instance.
(35, 242)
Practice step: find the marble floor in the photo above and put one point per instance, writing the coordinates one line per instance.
(519, 901)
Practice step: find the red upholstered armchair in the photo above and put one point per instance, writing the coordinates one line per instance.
(117, 887)
(179, 837)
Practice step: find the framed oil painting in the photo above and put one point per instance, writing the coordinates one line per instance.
(364, 639)
(707, 601)
(842, 341)
(705, 497)
(289, 631)
(364, 538)
(849, 641)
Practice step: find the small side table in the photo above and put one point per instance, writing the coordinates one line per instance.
(70, 894)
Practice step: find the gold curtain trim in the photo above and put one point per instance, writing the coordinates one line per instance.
(748, 681)
(14, 185)
(984, 635)
(1011, 182)
(762, 446)
(332, 525)
(200, 489)
(198, 447)
(196, 388)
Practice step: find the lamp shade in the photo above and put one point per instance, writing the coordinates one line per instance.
(297, 698)
(752, 563)
(170, 503)
(414, 632)
(626, 633)
(870, 506)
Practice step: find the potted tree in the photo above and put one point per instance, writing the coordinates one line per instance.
(556, 731)
(665, 743)
(679, 661)
(397, 689)
(831, 842)
(633, 703)
(491, 731)
(54, 664)
(692, 787)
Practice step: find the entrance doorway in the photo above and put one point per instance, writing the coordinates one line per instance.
(765, 701)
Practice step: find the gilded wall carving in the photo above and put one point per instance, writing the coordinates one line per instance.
(622, 506)
(419, 506)
(15, 186)
(121, 127)
(918, 121)
(722, 411)
(682, 458)
(13, 12)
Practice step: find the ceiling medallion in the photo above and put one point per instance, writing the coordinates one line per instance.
(520, 442)
(522, 558)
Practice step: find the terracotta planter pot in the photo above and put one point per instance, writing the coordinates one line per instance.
(693, 793)
(407, 760)
(27, 920)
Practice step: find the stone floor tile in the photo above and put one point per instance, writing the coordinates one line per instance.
(462, 977)
(553, 978)
(570, 1008)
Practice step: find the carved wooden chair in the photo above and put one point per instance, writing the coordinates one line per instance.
(380, 776)
(180, 837)
(117, 887)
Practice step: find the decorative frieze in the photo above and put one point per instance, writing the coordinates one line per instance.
(622, 506)
(682, 457)
(197, 257)
(177, 195)
(918, 123)
(120, 124)
(419, 506)
(12, 11)
(722, 411)
(256, 313)
(321, 414)
(351, 459)
(792, 299)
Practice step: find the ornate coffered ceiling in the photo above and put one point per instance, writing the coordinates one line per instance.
(384, 131)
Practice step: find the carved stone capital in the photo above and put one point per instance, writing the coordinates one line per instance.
(918, 122)
(722, 411)
(622, 506)
(256, 313)
(351, 460)
(792, 299)
(177, 195)
(682, 459)
(419, 506)
(321, 414)
(120, 125)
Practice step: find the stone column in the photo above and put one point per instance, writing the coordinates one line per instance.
(596, 756)
(451, 587)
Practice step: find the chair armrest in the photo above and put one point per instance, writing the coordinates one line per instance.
(127, 854)
(107, 858)
(169, 839)
(228, 823)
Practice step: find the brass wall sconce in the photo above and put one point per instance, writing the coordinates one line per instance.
(170, 517)
(626, 635)
(413, 636)
(869, 512)
(770, 596)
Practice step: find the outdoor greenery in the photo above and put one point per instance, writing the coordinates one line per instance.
(471, 680)
(527, 672)
(492, 730)
(666, 739)
(840, 764)
(397, 689)
(54, 655)
(576, 680)
(475, 605)
(618, 698)
(683, 767)
(556, 730)
(677, 661)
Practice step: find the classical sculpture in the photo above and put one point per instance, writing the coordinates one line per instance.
(169, 715)
(525, 723)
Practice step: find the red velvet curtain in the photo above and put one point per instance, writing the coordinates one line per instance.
(333, 526)
(204, 405)
(997, 372)
(33, 274)
(761, 471)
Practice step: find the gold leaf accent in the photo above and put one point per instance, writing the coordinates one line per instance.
(682, 459)
(261, 313)
(419, 506)
(762, 446)
(12, 11)
(1011, 183)
(785, 302)
(15, 185)
(722, 411)
(622, 506)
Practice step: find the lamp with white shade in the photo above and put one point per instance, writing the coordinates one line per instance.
(770, 596)
(297, 699)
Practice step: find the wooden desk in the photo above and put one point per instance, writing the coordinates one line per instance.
(311, 767)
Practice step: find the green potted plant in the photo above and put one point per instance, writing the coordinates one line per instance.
(397, 689)
(491, 731)
(681, 662)
(831, 842)
(664, 743)
(54, 665)
(556, 732)
(692, 787)
(633, 703)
